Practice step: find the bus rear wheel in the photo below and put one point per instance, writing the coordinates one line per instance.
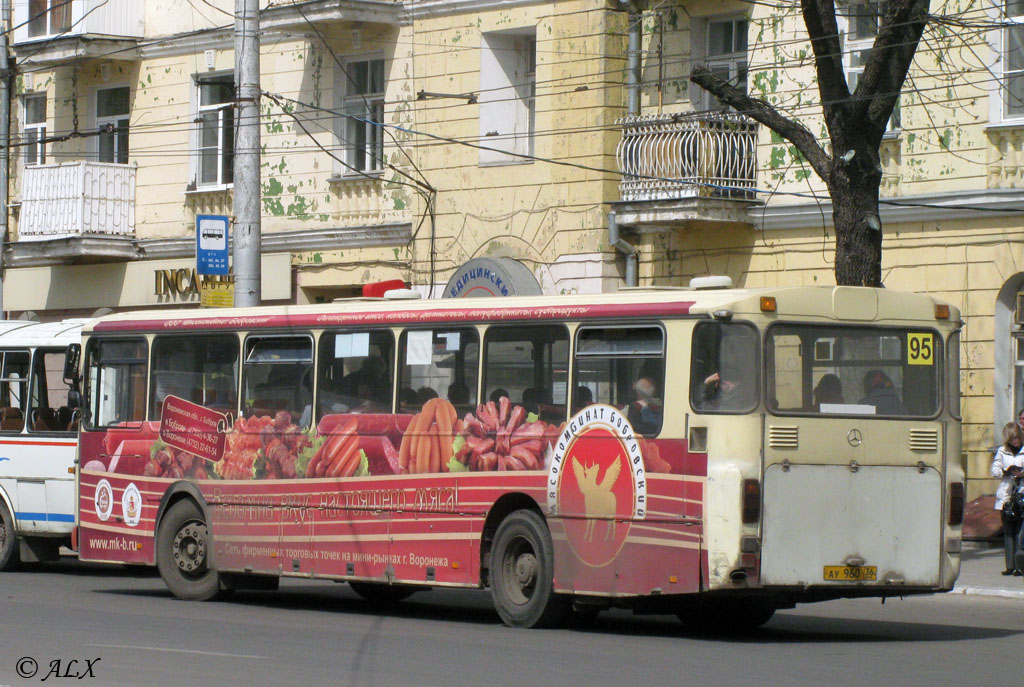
(9, 557)
(382, 593)
(522, 571)
(183, 553)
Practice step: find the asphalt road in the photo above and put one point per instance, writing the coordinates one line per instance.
(319, 633)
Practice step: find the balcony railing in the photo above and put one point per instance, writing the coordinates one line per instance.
(669, 157)
(77, 198)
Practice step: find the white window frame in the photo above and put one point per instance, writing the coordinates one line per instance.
(700, 52)
(48, 21)
(34, 132)
(200, 111)
(508, 96)
(365, 156)
(1000, 102)
(119, 122)
(852, 45)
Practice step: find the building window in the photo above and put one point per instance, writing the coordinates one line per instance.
(35, 129)
(360, 132)
(48, 17)
(112, 122)
(216, 129)
(861, 26)
(727, 53)
(1013, 67)
(508, 90)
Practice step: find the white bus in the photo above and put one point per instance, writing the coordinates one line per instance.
(39, 413)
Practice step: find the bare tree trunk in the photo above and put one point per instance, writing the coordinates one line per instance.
(853, 184)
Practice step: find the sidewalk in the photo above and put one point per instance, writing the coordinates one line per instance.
(981, 565)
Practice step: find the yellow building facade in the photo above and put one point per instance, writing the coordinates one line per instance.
(407, 140)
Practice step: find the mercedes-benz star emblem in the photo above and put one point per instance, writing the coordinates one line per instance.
(854, 438)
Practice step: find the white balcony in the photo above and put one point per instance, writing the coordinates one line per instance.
(76, 211)
(665, 157)
(55, 35)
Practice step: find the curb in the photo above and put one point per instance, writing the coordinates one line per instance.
(988, 591)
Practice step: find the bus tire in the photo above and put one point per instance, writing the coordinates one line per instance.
(724, 615)
(522, 571)
(376, 592)
(183, 547)
(9, 545)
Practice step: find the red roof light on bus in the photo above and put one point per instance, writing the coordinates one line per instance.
(378, 289)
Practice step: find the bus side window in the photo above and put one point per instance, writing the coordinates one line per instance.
(531, 365)
(724, 367)
(51, 403)
(13, 390)
(201, 368)
(277, 377)
(116, 382)
(623, 367)
(356, 372)
(438, 363)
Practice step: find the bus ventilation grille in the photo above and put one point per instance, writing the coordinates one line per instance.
(784, 437)
(924, 440)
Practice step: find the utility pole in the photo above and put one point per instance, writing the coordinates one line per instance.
(5, 134)
(246, 251)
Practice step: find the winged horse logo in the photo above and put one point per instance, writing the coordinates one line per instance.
(598, 498)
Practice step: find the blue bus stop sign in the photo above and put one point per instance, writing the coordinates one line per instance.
(211, 244)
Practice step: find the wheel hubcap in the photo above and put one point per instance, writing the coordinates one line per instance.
(189, 547)
(521, 570)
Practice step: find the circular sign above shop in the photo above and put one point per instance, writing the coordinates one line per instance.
(484, 277)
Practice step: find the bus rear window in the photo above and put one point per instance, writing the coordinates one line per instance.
(854, 370)
(724, 367)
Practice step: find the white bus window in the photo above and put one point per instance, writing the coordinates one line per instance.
(356, 372)
(53, 406)
(278, 377)
(13, 387)
(724, 368)
(854, 370)
(622, 367)
(438, 363)
(116, 381)
(202, 369)
(532, 365)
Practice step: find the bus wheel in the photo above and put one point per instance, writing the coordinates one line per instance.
(724, 616)
(9, 557)
(382, 593)
(522, 569)
(183, 553)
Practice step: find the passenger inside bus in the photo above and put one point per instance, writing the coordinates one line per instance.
(581, 398)
(880, 392)
(458, 393)
(531, 400)
(644, 412)
(829, 390)
(724, 391)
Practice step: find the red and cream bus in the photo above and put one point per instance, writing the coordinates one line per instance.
(717, 454)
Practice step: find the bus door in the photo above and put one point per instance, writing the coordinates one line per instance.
(853, 482)
(51, 425)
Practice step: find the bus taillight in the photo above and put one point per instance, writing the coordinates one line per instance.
(956, 503)
(751, 501)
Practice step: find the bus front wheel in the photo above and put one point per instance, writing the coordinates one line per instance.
(8, 540)
(183, 553)
(522, 570)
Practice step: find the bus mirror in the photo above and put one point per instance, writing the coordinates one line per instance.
(71, 360)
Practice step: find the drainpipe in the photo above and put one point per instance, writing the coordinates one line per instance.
(628, 250)
(5, 126)
(633, 57)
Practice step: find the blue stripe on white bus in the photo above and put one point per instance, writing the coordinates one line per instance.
(45, 517)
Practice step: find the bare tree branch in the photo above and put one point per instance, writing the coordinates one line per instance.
(820, 19)
(763, 112)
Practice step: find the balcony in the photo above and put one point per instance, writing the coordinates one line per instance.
(76, 212)
(680, 168)
(76, 29)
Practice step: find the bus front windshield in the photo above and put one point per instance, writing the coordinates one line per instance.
(891, 372)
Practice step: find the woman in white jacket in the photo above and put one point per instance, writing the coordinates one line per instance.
(1007, 464)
